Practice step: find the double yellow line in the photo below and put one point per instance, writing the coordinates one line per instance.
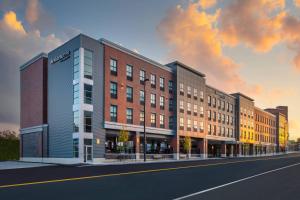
(138, 172)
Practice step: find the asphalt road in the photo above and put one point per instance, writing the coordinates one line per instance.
(242, 178)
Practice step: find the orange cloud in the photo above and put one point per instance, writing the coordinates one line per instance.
(204, 4)
(194, 39)
(11, 21)
(297, 3)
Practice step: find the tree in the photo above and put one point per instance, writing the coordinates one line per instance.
(123, 139)
(8, 134)
(187, 144)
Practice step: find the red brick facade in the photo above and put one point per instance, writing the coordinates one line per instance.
(33, 81)
(122, 60)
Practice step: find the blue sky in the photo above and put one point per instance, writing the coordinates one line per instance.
(195, 32)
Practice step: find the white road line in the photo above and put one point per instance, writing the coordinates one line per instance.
(237, 181)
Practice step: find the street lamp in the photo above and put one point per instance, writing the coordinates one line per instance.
(145, 141)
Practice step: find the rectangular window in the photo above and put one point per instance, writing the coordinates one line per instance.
(142, 76)
(195, 109)
(88, 64)
(113, 67)
(171, 122)
(129, 72)
(195, 125)
(162, 121)
(75, 148)
(188, 124)
(113, 90)
(76, 94)
(153, 119)
(113, 113)
(153, 80)
(209, 100)
(76, 121)
(88, 121)
(209, 114)
(201, 126)
(142, 97)
(170, 86)
(153, 100)
(88, 94)
(170, 104)
(189, 90)
(129, 94)
(181, 123)
(161, 83)
(142, 117)
(76, 65)
(195, 93)
(201, 111)
(181, 107)
(209, 128)
(189, 108)
(129, 115)
(181, 89)
(201, 95)
(214, 102)
(162, 102)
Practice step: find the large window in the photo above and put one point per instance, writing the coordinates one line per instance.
(181, 107)
(129, 93)
(170, 86)
(76, 65)
(162, 103)
(76, 121)
(142, 76)
(75, 148)
(181, 88)
(201, 126)
(113, 113)
(153, 100)
(129, 72)
(113, 67)
(181, 125)
(153, 119)
(153, 80)
(88, 94)
(113, 90)
(171, 122)
(162, 83)
(129, 115)
(142, 97)
(88, 64)
(162, 121)
(88, 121)
(76, 94)
(142, 117)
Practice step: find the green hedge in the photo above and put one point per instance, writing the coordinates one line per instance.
(9, 149)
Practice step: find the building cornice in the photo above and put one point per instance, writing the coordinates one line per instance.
(34, 59)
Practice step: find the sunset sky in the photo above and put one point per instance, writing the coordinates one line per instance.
(250, 46)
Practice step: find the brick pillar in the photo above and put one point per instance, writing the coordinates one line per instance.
(175, 146)
(202, 145)
(223, 150)
(137, 145)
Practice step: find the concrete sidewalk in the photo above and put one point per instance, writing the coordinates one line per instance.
(18, 165)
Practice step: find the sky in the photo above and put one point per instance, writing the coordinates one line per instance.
(248, 46)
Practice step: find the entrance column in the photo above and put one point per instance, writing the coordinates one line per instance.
(223, 150)
(137, 145)
(240, 153)
(231, 151)
(202, 145)
(175, 147)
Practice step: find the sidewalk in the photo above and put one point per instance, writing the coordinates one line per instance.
(18, 165)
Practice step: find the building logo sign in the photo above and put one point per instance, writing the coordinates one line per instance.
(61, 57)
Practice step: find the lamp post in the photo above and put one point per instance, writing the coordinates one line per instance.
(145, 140)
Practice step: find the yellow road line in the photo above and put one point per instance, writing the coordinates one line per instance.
(138, 172)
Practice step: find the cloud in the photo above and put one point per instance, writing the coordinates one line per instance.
(205, 4)
(193, 37)
(297, 3)
(17, 45)
(32, 11)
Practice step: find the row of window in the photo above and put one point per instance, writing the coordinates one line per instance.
(246, 113)
(189, 108)
(189, 125)
(264, 129)
(220, 131)
(189, 92)
(129, 117)
(212, 101)
(129, 96)
(212, 115)
(142, 76)
(264, 120)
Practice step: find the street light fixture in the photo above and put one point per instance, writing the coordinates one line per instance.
(145, 140)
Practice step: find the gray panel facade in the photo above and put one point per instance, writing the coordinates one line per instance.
(60, 101)
(98, 94)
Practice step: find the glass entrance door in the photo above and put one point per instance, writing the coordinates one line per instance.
(88, 157)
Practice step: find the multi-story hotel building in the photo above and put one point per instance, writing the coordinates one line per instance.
(76, 100)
